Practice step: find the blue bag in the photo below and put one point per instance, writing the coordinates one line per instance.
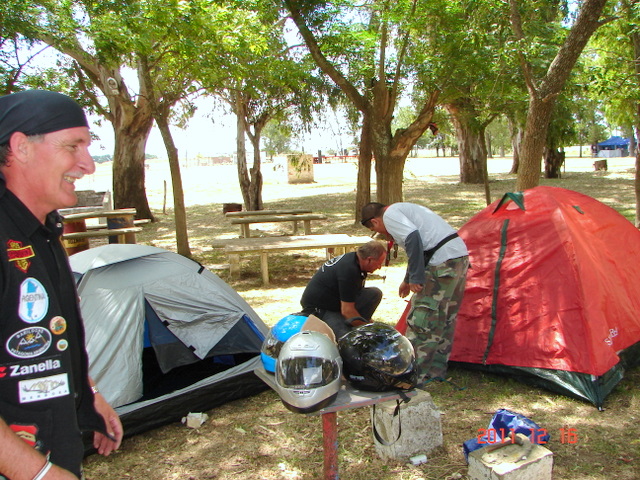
(503, 425)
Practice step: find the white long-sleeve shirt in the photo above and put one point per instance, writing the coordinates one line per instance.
(417, 229)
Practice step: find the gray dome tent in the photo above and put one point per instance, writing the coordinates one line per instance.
(164, 335)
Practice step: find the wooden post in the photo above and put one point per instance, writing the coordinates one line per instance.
(330, 445)
(234, 265)
(264, 267)
(164, 200)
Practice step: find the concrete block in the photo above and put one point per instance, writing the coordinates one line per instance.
(504, 463)
(414, 429)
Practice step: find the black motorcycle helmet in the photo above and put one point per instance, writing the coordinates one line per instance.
(376, 357)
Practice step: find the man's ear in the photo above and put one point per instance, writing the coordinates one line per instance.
(20, 146)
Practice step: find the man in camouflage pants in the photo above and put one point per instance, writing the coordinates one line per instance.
(436, 275)
(432, 319)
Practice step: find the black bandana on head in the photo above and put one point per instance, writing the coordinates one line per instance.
(34, 112)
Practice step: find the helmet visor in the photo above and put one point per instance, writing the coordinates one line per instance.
(393, 358)
(304, 372)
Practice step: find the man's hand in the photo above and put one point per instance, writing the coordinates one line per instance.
(20, 461)
(102, 443)
(406, 288)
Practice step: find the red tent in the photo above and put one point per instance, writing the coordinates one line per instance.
(553, 292)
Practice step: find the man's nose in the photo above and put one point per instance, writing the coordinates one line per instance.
(87, 164)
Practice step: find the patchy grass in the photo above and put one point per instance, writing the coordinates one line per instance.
(257, 438)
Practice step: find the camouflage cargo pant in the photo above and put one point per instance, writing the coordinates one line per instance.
(432, 319)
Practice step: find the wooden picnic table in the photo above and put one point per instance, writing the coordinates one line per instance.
(120, 228)
(246, 222)
(333, 243)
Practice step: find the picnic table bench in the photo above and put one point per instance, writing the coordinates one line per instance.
(265, 245)
(246, 222)
(120, 227)
(72, 239)
(250, 213)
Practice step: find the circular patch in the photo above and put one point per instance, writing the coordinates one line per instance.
(58, 325)
(62, 345)
(29, 342)
(34, 301)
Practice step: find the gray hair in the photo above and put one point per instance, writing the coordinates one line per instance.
(372, 249)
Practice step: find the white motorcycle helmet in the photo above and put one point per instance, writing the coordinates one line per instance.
(308, 372)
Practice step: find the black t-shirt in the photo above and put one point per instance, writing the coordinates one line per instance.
(337, 280)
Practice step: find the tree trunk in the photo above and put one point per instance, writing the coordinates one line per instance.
(241, 160)
(363, 189)
(391, 152)
(515, 132)
(516, 142)
(255, 187)
(553, 161)
(543, 92)
(471, 142)
(533, 143)
(179, 210)
(128, 166)
(389, 175)
(389, 168)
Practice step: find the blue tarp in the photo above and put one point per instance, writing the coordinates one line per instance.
(614, 142)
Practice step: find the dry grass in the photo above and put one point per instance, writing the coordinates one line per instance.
(257, 438)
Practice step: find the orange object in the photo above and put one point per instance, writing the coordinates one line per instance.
(553, 292)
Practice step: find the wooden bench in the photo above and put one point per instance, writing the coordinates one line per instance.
(137, 223)
(120, 228)
(249, 213)
(245, 222)
(118, 233)
(333, 243)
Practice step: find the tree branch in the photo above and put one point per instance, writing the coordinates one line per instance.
(326, 66)
(516, 25)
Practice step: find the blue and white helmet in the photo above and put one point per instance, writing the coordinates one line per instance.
(283, 330)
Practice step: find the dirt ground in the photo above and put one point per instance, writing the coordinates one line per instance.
(258, 438)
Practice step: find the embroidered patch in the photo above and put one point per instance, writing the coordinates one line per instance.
(28, 433)
(34, 301)
(58, 325)
(29, 342)
(38, 389)
(19, 254)
(26, 369)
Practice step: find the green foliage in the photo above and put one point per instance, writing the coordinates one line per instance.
(498, 131)
(611, 77)
(277, 136)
